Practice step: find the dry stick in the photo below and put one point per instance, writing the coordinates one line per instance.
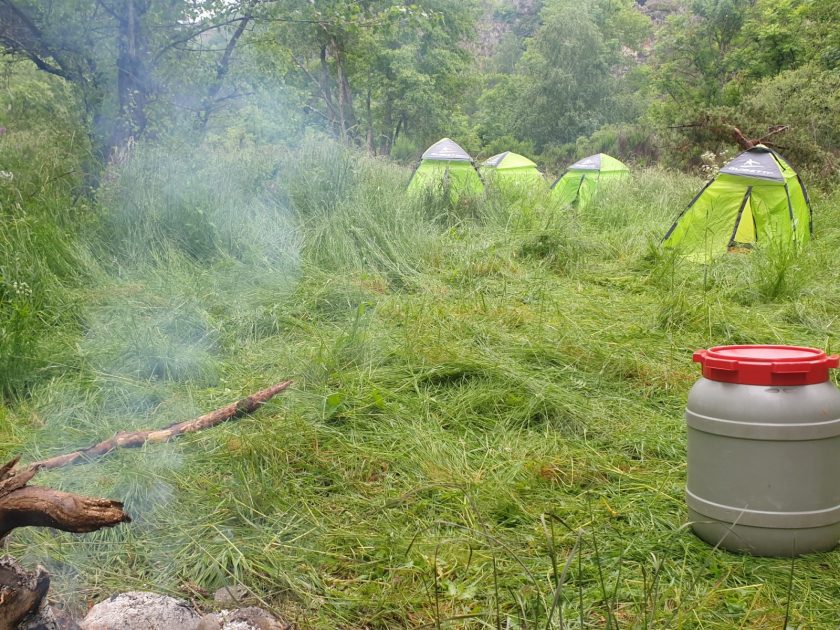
(133, 439)
(21, 591)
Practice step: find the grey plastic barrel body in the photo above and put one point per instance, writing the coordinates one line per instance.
(764, 467)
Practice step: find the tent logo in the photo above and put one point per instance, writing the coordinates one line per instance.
(751, 163)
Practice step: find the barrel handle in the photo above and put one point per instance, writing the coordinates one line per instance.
(726, 365)
(831, 361)
(786, 368)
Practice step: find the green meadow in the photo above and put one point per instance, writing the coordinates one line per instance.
(485, 429)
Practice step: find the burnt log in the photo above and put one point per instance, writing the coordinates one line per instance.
(21, 592)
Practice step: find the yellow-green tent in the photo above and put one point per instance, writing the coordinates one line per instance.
(447, 165)
(580, 181)
(756, 198)
(510, 169)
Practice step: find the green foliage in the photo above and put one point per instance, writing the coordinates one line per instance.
(695, 50)
(498, 110)
(370, 72)
(405, 151)
(624, 141)
(756, 66)
(772, 37)
(810, 96)
(569, 66)
(573, 74)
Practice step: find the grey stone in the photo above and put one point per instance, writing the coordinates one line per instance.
(141, 611)
(233, 594)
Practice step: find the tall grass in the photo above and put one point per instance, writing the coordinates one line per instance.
(486, 426)
(207, 205)
(44, 211)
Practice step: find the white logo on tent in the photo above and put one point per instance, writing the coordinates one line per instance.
(751, 162)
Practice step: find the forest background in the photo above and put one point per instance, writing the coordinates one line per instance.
(656, 81)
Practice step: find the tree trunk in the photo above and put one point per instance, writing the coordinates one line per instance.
(326, 91)
(400, 125)
(132, 73)
(222, 68)
(387, 124)
(371, 146)
(347, 119)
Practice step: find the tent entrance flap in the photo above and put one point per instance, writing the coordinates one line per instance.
(744, 231)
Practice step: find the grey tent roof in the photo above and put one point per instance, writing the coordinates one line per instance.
(757, 162)
(593, 163)
(494, 161)
(446, 149)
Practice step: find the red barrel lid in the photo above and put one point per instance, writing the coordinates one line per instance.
(766, 365)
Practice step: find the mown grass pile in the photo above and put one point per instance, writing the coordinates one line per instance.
(488, 399)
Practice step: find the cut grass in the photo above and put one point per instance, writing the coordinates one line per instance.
(485, 401)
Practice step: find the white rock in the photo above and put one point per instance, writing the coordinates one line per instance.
(141, 611)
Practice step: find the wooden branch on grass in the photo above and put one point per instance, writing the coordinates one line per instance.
(22, 505)
(22, 592)
(133, 439)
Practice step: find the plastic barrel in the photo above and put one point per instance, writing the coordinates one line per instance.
(764, 450)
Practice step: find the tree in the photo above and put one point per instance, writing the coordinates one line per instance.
(574, 68)
(114, 51)
(694, 63)
(370, 71)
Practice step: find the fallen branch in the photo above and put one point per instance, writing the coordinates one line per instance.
(773, 131)
(133, 439)
(730, 132)
(22, 505)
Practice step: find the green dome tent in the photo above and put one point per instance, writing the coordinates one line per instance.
(447, 164)
(756, 198)
(580, 181)
(511, 169)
